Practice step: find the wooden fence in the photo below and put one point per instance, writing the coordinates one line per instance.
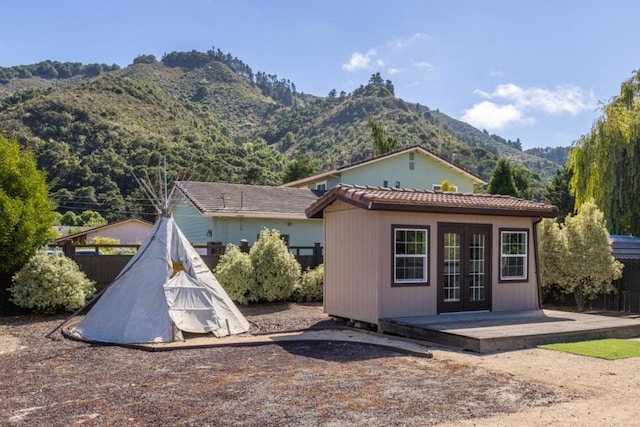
(103, 263)
(627, 296)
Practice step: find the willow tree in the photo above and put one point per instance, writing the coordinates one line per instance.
(606, 162)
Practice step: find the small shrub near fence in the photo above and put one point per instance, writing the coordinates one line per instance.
(269, 272)
(276, 270)
(235, 272)
(311, 285)
(49, 284)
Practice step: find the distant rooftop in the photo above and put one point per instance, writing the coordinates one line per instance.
(258, 201)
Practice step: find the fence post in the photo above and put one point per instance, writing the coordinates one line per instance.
(317, 254)
(244, 246)
(69, 249)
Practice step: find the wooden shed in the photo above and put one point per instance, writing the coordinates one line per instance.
(400, 252)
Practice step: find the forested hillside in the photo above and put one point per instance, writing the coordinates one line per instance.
(213, 118)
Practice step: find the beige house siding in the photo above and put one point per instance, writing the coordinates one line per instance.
(405, 300)
(359, 262)
(352, 275)
(126, 233)
(509, 296)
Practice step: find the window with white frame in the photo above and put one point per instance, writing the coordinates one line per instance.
(513, 255)
(321, 186)
(410, 255)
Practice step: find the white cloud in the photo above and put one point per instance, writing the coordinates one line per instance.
(562, 99)
(393, 71)
(423, 65)
(482, 94)
(487, 115)
(402, 43)
(510, 105)
(360, 61)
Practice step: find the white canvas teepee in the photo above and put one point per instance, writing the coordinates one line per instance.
(165, 289)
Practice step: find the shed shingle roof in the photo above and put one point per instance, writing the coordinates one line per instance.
(258, 201)
(377, 198)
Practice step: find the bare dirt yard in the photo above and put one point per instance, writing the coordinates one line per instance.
(59, 382)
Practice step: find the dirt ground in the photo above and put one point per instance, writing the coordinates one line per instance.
(301, 383)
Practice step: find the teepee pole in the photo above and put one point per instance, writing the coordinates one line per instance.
(165, 206)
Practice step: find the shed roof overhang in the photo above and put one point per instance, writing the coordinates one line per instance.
(408, 200)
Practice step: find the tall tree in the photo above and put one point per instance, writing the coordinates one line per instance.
(606, 162)
(522, 178)
(381, 143)
(301, 167)
(26, 214)
(503, 179)
(558, 193)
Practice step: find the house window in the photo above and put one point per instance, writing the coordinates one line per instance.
(397, 184)
(412, 166)
(438, 187)
(321, 186)
(410, 255)
(513, 255)
(385, 183)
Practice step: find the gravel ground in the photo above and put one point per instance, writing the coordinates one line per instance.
(58, 382)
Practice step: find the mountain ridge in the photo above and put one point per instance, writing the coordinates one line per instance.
(213, 122)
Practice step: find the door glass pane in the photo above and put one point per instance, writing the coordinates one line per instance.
(451, 267)
(477, 267)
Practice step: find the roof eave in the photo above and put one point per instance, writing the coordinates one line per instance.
(242, 214)
(404, 207)
(313, 178)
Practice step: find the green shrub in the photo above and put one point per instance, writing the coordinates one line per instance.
(276, 269)
(310, 286)
(235, 273)
(268, 273)
(50, 283)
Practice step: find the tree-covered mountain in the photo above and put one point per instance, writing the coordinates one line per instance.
(557, 155)
(213, 118)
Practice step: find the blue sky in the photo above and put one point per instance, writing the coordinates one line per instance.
(534, 70)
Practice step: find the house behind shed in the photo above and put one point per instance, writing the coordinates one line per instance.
(401, 252)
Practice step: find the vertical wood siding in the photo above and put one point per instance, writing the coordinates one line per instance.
(351, 278)
(359, 261)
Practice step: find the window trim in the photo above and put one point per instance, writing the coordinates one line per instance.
(322, 184)
(514, 279)
(427, 264)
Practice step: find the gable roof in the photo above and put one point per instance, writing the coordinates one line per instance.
(411, 148)
(90, 230)
(403, 199)
(241, 200)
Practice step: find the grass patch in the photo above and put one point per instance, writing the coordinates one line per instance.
(609, 349)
